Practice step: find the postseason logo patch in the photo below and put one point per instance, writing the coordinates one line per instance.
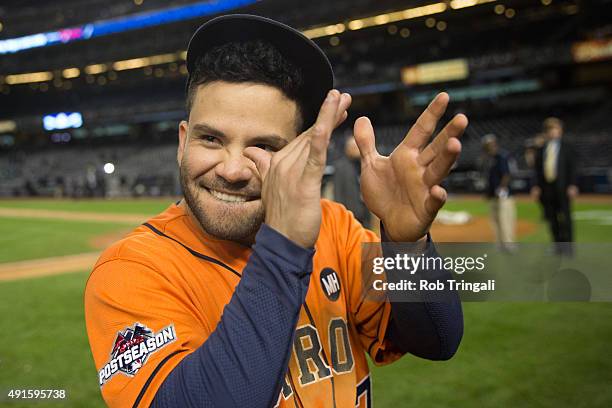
(132, 348)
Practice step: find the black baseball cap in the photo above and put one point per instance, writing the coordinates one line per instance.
(317, 73)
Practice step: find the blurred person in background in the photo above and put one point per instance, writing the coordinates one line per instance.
(531, 149)
(503, 209)
(347, 190)
(555, 184)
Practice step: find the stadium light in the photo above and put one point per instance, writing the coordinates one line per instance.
(121, 24)
(386, 18)
(109, 168)
(325, 30)
(459, 4)
(71, 73)
(62, 120)
(432, 72)
(144, 61)
(314, 32)
(94, 69)
(592, 50)
(356, 24)
(382, 19)
(441, 25)
(499, 9)
(29, 77)
(132, 63)
(7, 126)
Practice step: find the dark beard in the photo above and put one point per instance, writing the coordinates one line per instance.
(225, 226)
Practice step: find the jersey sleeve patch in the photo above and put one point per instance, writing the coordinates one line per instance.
(132, 348)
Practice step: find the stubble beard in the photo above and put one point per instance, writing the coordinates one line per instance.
(226, 224)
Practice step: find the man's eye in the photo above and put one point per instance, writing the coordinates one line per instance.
(209, 139)
(266, 147)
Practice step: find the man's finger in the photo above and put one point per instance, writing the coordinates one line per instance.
(421, 131)
(435, 200)
(341, 113)
(291, 147)
(365, 138)
(291, 158)
(454, 128)
(320, 133)
(261, 158)
(342, 119)
(439, 168)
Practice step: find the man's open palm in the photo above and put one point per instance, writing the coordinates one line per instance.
(403, 189)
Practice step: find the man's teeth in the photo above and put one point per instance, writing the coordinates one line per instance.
(227, 197)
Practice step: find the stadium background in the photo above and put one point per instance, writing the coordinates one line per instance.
(71, 184)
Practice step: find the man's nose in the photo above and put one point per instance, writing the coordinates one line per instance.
(235, 167)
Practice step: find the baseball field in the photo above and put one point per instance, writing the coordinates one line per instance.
(512, 355)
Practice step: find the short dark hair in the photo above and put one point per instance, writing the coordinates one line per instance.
(254, 61)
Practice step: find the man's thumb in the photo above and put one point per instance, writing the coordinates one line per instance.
(260, 157)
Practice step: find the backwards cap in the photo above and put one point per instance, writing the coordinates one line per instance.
(318, 77)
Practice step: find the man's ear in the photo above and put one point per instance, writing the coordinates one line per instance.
(183, 128)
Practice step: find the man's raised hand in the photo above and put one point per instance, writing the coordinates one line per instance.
(404, 190)
(291, 177)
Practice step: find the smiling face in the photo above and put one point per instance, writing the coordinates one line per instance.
(221, 186)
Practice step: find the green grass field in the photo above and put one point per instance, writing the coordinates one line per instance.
(46, 238)
(512, 355)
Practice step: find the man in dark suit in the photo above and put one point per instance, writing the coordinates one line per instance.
(555, 170)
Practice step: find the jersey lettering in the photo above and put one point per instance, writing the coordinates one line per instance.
(364, 393)
(286, 391)
(342, 360)
(308, 351)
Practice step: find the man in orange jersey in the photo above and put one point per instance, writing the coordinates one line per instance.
(248, 292)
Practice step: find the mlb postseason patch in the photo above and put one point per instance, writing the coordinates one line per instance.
(132, 348)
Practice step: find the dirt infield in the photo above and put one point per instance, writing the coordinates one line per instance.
(70, 263)
(60, 264)
(47, 266)
(133, 219)
(478, 229)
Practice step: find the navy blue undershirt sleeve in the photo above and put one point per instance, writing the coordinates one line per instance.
(243, 362)
(431, 328)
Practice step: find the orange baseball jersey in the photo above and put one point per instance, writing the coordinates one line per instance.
(157, 295)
